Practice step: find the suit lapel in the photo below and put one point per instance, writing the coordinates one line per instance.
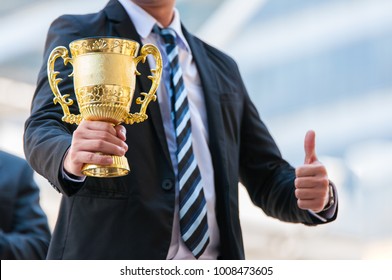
(122, 26)
(214, 115)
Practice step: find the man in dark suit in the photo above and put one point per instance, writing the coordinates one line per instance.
(140, 216)
(24, 231)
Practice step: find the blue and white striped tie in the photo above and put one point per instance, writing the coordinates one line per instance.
(193, 209)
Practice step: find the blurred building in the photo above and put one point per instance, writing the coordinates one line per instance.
(322, 65)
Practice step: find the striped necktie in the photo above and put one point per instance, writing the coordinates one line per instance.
(192, 203)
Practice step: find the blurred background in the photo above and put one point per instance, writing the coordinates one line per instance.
(324, 65)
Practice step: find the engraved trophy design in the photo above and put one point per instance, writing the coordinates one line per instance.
(104, 75)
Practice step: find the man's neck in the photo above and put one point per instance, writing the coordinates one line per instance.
(162, 11)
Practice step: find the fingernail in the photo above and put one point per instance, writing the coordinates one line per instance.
(122, 151)
(124, 132)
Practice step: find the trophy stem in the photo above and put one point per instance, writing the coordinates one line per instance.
(118, 168)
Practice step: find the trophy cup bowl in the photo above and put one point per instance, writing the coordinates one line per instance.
(104, 76)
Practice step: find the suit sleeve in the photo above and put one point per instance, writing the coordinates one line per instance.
(268, 178)
(47, 137)
(29, 237)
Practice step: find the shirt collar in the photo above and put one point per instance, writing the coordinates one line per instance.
(144, 22)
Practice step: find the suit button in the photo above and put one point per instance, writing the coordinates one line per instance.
(167, 184)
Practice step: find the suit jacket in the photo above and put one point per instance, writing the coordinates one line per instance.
(131, 217)
(24, 231)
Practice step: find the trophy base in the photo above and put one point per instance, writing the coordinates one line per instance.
(118, 168)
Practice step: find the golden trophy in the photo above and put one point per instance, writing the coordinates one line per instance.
(104, 75)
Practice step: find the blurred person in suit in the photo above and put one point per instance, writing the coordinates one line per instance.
(147, 214)
(24, 231)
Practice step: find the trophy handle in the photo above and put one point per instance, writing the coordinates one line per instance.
(63, 100)
(155, 78)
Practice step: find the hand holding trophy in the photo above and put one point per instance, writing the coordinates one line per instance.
(104, 71)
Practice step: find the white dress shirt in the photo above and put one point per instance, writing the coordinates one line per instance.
(144, 24)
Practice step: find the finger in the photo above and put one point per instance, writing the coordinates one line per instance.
(74, 161)
(102, 137)
(310, 147)
(102, 132)
(315, 205)
(311, 170)
(310, 193)
(311, 182)
(93, 158)
(97, 126)
(104, 147)
(121, 132)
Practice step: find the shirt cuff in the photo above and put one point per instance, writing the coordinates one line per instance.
(70, 177)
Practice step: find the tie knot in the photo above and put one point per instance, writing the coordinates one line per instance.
(168, 35)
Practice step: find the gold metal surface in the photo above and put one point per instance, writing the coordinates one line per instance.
(104, 71)
(119, 167)
(90, 70)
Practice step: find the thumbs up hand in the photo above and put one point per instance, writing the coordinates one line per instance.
(311, 183)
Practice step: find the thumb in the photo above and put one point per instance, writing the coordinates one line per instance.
(310, 147)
